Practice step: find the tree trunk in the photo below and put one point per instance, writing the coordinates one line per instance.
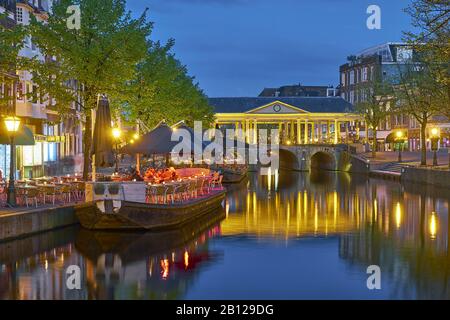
(374, 143)
(87, 142)
(423, 143)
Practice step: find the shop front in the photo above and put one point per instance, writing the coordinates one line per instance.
(35, 161)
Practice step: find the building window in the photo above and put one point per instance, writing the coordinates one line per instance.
(404, 54)
(352, 97)
(388, 123)
(364, 74)
(35, 97)
(20, 91)
(19, 15)
(343, 78)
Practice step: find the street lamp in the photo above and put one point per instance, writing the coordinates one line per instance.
(435, 136)
(117, 133)
(399, 138)
(12, 126)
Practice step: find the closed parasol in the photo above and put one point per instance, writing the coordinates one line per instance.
(102, 146)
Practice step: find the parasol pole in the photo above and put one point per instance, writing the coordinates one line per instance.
(93, 116)
(138, 159)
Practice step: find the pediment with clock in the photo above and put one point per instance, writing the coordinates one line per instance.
(276, 107)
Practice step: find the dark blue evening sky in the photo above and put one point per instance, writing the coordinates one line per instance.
(238, 47)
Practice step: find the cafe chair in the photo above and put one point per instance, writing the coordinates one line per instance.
(3, 194)
(217, 183)
(170, 193)
(49, 192)
(65, 192)
(31, 194)
(81, 187)
(181, 192)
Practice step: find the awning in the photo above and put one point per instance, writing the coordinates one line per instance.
(24, 137)
(391, 138)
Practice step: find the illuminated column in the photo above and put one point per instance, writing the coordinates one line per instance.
(306, 131)
(255, 132)
(313, 132)
(299, 132)
(247, 131)
(286, 131)
(347, 124)
(280, 131)
(319, 132)
(328, 131)
(357, 130)
(292, 135)
(336, 132)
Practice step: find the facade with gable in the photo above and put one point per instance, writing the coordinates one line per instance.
(300, 120)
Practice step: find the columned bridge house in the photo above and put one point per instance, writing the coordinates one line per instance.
(300, 120)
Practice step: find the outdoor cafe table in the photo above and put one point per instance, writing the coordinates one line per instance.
(26, 187)
(43, 179)
(49, 186)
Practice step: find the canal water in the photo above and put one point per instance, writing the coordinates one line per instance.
(286, 236)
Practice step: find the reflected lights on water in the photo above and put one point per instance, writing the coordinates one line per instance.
(433, 226)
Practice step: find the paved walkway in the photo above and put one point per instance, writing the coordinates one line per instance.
(409, 158)
(24, 209)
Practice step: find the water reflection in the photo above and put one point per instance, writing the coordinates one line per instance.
(328, 225)
(148, 265)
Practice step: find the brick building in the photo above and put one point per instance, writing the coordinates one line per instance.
(385, 62)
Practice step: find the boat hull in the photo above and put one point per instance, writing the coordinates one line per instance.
(233, 177)
(135, 246)
(143, 216)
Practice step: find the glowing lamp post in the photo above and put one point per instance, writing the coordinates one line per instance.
(12, 126)
(117, 134)
(435, 136)
(399, 138)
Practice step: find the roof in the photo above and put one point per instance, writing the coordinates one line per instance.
(310, 104)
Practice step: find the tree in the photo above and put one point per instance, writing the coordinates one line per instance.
(419, 95)
(377, 97)
(101, 56)
(432, 41)
(162, 89)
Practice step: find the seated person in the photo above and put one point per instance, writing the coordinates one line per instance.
(166, 175)
(135, 175)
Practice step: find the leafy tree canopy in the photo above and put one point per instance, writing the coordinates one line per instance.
(163, 89)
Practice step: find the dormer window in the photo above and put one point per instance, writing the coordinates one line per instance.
(19, 15)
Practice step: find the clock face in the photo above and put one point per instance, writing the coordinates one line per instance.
(277, 108)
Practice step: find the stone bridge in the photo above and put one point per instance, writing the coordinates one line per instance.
(319, 156)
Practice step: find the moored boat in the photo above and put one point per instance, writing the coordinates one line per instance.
(232, 174)
(145, 216)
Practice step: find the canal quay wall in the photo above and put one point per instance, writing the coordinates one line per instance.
(17, 224)
(24, 247)
(435, 177)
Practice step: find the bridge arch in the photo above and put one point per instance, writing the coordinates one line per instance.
(288, 160)
(323, 160)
